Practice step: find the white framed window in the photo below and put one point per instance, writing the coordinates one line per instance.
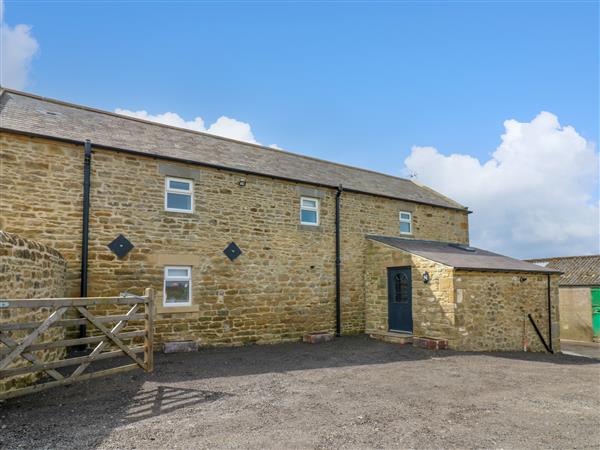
(405, 222)
(177, 288)
(309, 211)
(179, 195)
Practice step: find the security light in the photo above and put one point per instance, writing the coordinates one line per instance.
(426, 277)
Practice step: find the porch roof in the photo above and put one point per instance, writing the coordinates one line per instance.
(461, 256)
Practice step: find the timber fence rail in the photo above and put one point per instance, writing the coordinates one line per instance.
(109, 341)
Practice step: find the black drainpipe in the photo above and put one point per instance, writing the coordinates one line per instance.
(338, 262)
(87, 165)
(549, 317)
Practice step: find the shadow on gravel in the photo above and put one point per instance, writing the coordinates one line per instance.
(342, 352)
(165, 399)
(84, 414)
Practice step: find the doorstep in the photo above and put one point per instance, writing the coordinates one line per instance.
(393, 337)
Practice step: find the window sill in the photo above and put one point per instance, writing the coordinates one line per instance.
(310, 228)
(179, 211)
(191, 215)
(161, 309)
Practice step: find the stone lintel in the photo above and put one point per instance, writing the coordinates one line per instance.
(172, 170)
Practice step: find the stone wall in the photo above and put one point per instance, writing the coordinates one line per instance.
(475, 311)
(29, 269)
(492, 310)
(281, 287)
(576, 314)
(41, 198)
(363, 214)
(432, 303)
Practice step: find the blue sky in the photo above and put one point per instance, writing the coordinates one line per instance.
(358, 83)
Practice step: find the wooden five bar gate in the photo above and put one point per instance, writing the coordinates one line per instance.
(109, 342)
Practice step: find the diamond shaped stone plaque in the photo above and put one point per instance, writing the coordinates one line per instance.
(120, 246)
(232, 251)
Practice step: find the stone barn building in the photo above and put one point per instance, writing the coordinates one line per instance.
(579, 295)
(247, 244)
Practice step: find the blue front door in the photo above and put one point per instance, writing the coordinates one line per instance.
(400, 299)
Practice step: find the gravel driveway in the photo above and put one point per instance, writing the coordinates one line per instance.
(350, 393)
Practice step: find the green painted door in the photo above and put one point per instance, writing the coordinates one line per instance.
(596, 311)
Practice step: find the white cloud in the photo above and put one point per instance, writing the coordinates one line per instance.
(231, 128)
(17, 49)
(535, 197)
(168, 118)
(224, 126)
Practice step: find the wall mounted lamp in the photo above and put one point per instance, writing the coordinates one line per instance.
(426, 277)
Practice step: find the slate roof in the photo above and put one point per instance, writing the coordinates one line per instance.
(31, 114)
(466, 258)
(577, 270)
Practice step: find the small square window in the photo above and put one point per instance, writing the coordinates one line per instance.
(177, 286)
(179, 195)
(405, 222)
(309, 211)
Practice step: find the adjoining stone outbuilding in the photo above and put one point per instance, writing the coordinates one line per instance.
(579, 295)
(474, 299)
(247, 244)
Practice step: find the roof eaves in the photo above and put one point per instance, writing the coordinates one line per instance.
(558, 258)
(373, 238)
(262, 147)
(219, 167)
(539, 272)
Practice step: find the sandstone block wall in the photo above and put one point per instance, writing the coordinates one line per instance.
(492, 310)
(29, 269)
(433, 304)
(363, 214)
(576, 313)
(475, 311)
(282, 286)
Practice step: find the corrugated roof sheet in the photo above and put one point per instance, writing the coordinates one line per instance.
(577, 270)
(28, 113)
(460, 257)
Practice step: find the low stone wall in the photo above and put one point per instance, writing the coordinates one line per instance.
(29, 269)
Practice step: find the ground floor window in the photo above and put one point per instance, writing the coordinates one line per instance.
(178, 286)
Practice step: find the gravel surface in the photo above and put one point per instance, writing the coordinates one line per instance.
(350, 393)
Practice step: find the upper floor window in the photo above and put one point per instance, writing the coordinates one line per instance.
(179, 195)
(405, 222)
(309, 211)
(178, 286)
